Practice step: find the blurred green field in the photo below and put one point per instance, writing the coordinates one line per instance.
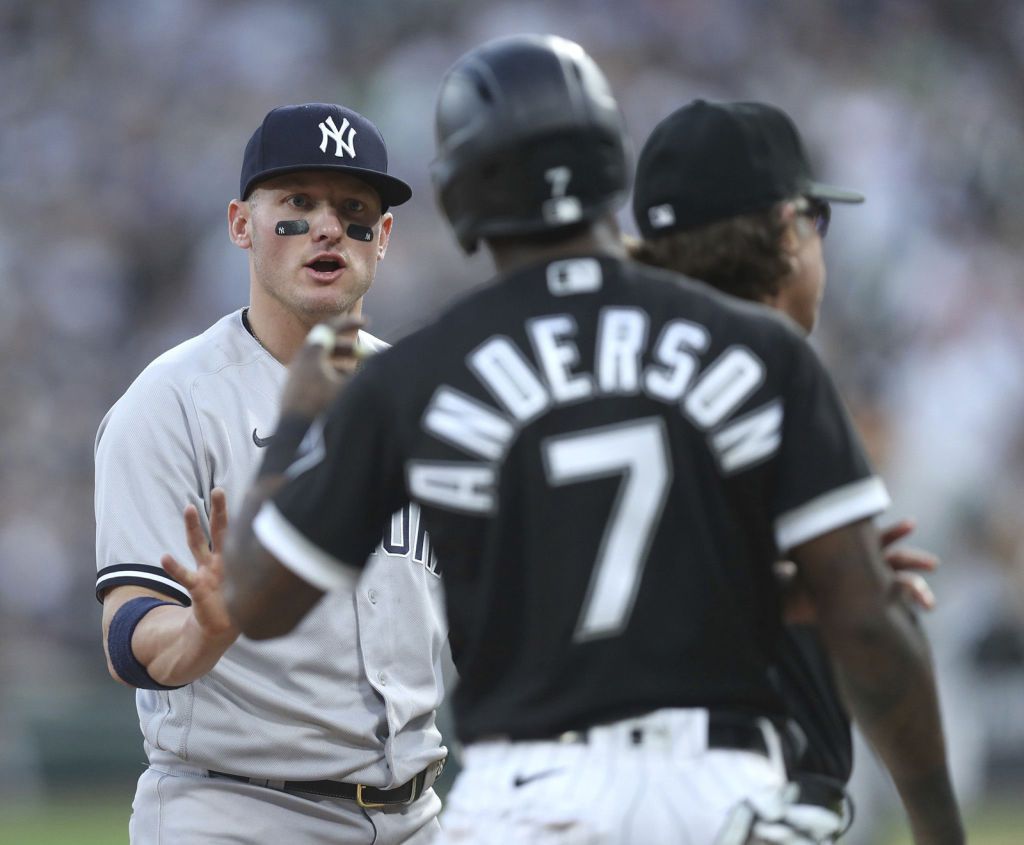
(103, 820)
(996, 823)
(68, 820)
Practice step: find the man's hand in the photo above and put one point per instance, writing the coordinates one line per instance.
(321, 367)
(205, 584)
(179, 644)
(906, 565)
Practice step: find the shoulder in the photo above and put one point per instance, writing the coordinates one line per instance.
(734, 318)
(167, 380)
(225, 343)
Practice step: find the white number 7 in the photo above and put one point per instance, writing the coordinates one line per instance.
(558, 178)
(638, 452)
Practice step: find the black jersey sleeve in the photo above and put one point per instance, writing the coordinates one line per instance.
(344, 486)
(824, 480)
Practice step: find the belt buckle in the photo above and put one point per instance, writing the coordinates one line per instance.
(376, 805)
(366, 805)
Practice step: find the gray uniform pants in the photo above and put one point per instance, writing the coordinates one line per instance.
(181, 807)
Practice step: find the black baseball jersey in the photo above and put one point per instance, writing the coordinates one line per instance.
(809, 692)
(609, 458)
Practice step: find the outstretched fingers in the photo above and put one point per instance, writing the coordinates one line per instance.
(218, 519)
(198, 543)
(183, 575)
(903, 559)
(897, 532)
(914, 559)
(915, 589)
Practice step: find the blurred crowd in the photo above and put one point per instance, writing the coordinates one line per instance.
(123, 125)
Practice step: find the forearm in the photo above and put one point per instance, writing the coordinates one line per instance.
(169, 642)
(264, 598)
(248, 587)
(884, 668)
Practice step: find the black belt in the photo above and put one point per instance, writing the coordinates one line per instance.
(821, 791)
(365, 796)
(737, 733)
(731, 731)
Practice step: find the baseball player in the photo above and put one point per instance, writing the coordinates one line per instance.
(751, 224)
(327, 735)
(609, 459)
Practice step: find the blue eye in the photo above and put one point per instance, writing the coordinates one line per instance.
(299, 201)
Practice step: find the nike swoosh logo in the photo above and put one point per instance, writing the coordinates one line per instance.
(261, 441)
(522, 780)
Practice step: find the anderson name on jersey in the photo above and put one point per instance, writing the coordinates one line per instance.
(709, 395)
(609, 460)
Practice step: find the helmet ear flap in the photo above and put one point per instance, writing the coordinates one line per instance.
(530, 140)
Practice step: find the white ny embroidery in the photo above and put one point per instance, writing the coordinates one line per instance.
(343, 143)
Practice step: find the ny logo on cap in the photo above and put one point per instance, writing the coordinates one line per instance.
(342, 140)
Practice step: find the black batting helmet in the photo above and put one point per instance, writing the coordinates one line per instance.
(530, 139)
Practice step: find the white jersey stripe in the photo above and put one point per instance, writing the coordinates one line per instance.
(834, 509)
(295, 552)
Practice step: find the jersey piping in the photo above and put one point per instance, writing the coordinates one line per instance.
(858, 500)
(300, 555)
(140, 575)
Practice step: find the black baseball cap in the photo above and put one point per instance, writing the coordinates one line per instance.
(709, 161)
(320, 136)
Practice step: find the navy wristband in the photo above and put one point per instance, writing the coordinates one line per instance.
(119, 642)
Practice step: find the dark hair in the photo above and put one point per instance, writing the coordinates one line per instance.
(742, 255)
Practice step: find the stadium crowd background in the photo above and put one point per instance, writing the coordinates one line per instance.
(123, 124)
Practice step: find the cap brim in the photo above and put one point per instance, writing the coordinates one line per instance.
(392, 191)
(821, 191)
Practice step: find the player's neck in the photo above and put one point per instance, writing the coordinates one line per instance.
(602, 238)
(279, 331)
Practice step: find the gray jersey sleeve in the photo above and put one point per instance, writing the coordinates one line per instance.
(148, 468)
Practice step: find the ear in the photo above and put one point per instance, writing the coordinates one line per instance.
(386, 222)
(239, 220)
(789, 240)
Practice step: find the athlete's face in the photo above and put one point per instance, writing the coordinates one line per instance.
(801, 290)
(324, 271)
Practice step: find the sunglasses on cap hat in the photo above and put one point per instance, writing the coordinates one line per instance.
(816, 210)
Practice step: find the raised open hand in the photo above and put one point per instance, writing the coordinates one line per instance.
(205, 583)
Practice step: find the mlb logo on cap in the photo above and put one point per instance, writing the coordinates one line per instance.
(320, 136)
(662, 216)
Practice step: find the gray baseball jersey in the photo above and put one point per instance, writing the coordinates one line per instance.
(351, 693)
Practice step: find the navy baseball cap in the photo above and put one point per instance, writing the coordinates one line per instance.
(709, 161)
(320, 136)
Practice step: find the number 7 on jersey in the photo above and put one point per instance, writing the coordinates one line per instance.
(638, 452)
